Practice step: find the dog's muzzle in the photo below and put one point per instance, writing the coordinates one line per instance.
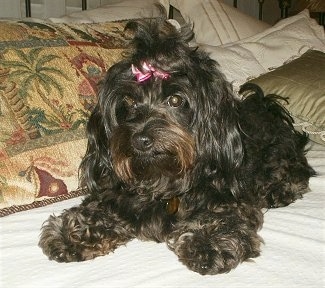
(151, 152)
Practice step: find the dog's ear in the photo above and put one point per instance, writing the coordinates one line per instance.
(95, 170)
(95, 163)
(218, 134)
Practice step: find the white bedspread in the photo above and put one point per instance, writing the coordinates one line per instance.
(293, 254)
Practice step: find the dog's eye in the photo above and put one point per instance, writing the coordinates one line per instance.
(130, 103)
(175, 101)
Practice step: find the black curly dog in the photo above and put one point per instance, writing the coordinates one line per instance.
(173, 156)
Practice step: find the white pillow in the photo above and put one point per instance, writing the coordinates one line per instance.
(117, 10)
(217, 23)
(256, 55)
(285, 39)
(236, 63)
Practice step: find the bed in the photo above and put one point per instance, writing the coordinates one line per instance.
(42, 140)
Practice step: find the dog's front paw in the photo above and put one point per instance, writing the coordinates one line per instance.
(74, 237)
(55, 243)
(195, 253)
(210, 254)
(80, 234)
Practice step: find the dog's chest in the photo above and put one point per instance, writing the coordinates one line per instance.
(154, 219)
(162, 207)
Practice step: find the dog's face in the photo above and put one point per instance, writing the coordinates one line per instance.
(152, 136)
(165, 114)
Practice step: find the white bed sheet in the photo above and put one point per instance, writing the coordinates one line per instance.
(293, 254)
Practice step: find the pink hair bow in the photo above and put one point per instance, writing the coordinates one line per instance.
(148, 71)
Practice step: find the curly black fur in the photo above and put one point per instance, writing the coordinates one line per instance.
(179, 160)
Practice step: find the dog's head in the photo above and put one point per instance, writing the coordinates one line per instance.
(165, 117)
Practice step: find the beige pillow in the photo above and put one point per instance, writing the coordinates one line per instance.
(216, 22)
(302, 82)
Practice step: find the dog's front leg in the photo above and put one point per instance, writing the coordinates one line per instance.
(217, 240)
(82, 233)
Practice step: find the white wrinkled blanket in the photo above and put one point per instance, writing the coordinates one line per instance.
(293, 254)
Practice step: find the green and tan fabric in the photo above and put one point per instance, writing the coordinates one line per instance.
(302, 81)
(49, 76)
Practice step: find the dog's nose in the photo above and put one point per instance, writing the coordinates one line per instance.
(142, 141)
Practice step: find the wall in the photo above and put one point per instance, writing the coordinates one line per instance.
(10, 8)
(57, 8)
(251, 7)
(45, 8)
